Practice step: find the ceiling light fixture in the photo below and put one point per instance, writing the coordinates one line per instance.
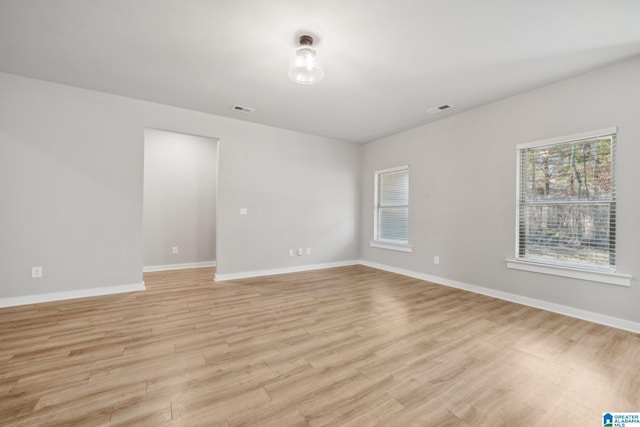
(304, 67)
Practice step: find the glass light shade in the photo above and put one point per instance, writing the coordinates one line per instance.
(304, 67)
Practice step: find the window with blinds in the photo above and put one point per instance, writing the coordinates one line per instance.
(391, 216)
(567, 202)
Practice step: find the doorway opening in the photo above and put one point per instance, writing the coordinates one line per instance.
(179, 200)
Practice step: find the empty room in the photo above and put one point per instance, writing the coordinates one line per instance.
(329, 213)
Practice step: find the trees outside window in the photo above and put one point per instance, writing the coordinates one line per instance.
(567, 202)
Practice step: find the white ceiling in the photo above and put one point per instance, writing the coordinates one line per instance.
(386, 62)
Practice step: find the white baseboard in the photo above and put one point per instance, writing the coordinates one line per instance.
(507, 296)
(590, 316)
(152, 268)
(274, 271)
(80, 293)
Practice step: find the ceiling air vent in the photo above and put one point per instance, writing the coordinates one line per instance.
(241, 109)
(440, 109)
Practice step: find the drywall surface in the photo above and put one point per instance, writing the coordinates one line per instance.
(71, 189)
(179, 198)
(463, 188)
(298, 193)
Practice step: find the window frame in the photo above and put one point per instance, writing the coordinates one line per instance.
(558, 267)
(376, 241)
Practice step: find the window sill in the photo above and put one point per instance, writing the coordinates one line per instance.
(590, 275)
(391, 246)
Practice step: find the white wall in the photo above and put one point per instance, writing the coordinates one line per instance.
(71, 186)
(179, 198)
(298, 194)
(462, 188)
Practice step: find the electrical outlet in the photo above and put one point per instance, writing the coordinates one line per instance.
(308, 251)
(291, 252)
(299, 251)
(36, 272)
(174, 250)
(436, 260)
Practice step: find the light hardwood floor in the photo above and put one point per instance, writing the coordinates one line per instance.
(345, 346)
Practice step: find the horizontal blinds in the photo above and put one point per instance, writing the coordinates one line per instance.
(392, 207)
(567, 203)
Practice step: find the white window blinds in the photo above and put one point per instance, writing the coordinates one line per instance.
(567, 202)
(391, 217)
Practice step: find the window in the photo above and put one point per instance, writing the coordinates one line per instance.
(391, 212)
(567, 202)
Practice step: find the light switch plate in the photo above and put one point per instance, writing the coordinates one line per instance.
(36, 272)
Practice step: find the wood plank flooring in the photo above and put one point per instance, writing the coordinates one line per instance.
(350, 346)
